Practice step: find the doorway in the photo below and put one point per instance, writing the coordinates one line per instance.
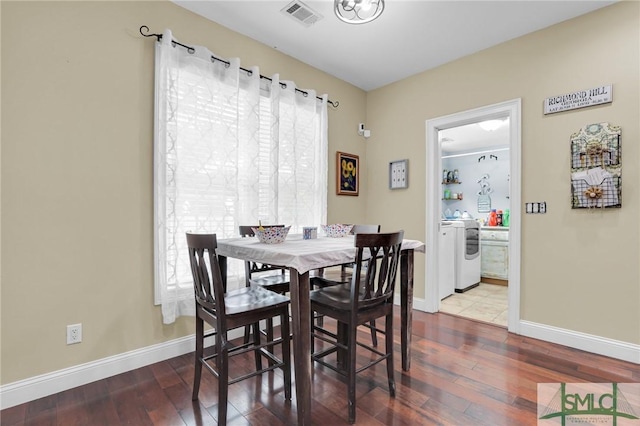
(506, 110)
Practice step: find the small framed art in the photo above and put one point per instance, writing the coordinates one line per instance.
(347, 174)
(399, 174)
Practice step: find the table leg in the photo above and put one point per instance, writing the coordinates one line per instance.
(301, 327)
(406, 306)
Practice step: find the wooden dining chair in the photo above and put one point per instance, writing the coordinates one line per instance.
(345, 275)
(357, 229)
(269, 277)
(255, 273)
(368, 296)
(225, 311)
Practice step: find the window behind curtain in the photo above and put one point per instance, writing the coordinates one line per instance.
(230, 149)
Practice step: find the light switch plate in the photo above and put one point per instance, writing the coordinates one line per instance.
(538, 207)
(399, 174)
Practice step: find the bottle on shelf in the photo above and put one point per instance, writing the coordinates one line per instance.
(457, 214)
(456, 176)
(499, 218)
(493, 218)
(505, 218)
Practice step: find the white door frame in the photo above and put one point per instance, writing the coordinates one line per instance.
(433, 197)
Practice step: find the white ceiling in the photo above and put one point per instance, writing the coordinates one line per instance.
(472, 138)
(408, 38)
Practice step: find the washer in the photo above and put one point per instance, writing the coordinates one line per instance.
(467, 257)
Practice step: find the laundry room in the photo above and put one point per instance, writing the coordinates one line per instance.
(475, 221)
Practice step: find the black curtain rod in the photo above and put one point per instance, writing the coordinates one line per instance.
(192, 50)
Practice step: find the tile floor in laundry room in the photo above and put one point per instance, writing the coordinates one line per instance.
(487, 303)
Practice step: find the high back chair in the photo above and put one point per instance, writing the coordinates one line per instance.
(345, 271)
(358, 229)
(365, 229)
(255, 274)
(368, 296)
(225, 311)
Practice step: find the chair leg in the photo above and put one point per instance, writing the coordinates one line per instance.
(223, 380)
(247, 334)
(198, 357)
(342, 331)
(286, 353)
(351, 373)
(388, 338)
(256, 341)
(269, 330)
(269, 333)
(374, 335)
(312, 343)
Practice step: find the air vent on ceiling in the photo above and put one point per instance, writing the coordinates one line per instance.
(301, 13)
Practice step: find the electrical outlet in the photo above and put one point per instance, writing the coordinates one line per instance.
(74, 334)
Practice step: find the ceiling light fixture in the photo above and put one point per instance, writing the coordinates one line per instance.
(358, 11)
(491, 125)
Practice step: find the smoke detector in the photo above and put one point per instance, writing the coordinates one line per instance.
(301, 13)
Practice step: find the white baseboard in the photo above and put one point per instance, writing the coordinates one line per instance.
(47, 384)
(418, 304)
(587, 342)
(17, 393)
(574, 339)
(33, 388)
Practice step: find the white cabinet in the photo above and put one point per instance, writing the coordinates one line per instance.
(446, 280)
(494, 246)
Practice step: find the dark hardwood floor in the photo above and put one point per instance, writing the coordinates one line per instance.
(462, 373)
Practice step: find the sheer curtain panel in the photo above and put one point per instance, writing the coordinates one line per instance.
(230, 148)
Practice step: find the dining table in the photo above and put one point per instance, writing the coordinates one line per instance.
(301, 257)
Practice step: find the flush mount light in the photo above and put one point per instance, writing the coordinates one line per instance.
(491, 125)
(358, 11)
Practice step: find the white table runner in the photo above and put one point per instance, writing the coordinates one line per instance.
(295, 252)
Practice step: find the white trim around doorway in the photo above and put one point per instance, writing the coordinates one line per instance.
(511, 109)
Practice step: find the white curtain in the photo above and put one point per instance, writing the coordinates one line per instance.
(230, 149)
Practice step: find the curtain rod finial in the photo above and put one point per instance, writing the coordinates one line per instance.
(144, 30)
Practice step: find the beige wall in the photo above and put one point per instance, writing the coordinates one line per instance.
(579, 268)
(77, 194)
(76, 171)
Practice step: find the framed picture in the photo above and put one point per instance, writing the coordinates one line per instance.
(399, 174)
(347, 174)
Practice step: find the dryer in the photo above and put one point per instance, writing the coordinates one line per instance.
(467, 254)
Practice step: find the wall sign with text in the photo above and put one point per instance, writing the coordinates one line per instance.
(580, 99)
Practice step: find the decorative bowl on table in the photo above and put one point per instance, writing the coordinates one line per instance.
(271, 234)
(336, 230)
